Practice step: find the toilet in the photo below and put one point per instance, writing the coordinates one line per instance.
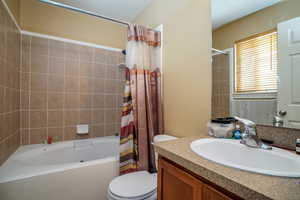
(139, 185)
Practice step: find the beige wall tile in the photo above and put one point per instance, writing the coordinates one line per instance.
(56, 134)
(111, 72)
(109, 129)
(85, 101)
(25, 59)
(98, 117)
(56, 48)
(25, 81)
(2, 99)
(99, 86)
(56, 65)
(24, 105)
(72, 101)
(67, 87)
(56, 83)
(10, 81)
(86, 85)
(100, 55)
(55, 100)
(98, 101)
(24, 119)
(110, 101)
(86, 68)
(99, 70)
(71, 67)
(110, 86)
(71, 84)
(38, 135)
(97, 131)
(71, 118)
(2, 127)
(85, 117)
(38, 82)
(2, 72)
(109, 116)
(112, 58)
(25, 139)
(72, 51)
(39, 46)
(86, 53)
(38, 119)
(38, 101)
(55, 119)
(39, 63)
(4, 153)
(69, 133)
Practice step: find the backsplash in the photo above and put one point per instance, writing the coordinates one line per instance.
(65, 84)
(9, 85)
(285, 137)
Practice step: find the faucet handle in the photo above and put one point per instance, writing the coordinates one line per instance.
(250, 130)
(246, 122)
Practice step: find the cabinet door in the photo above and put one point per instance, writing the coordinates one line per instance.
(176, 184)
(209, 193)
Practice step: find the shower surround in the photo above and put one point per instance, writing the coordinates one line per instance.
(64, 84)
(9, 85)
(49, 85)
(220, 86)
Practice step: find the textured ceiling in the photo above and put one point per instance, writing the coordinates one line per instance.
(226, 11)
(125, 10)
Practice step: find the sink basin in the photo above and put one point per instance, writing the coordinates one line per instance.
(231, 153)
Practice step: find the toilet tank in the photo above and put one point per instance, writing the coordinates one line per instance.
(161, 138)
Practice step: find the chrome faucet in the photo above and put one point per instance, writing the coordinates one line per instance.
(249, 136)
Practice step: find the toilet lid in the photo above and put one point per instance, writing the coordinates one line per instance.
(133, 185)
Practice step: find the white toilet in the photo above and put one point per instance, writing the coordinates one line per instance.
(137, 185)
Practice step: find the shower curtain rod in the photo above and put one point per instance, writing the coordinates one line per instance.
(219, 51)
(61, 5)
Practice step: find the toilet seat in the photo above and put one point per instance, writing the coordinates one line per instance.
(133, 186)
(152, 196)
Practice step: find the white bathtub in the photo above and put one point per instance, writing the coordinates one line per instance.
(80, 169)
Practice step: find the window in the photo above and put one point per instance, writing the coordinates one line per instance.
(256, 64)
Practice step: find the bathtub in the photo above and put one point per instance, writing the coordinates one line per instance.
(79, 169)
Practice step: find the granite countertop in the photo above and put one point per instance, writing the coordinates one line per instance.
(247, 185)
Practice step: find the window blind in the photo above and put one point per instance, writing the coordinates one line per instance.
(256, 63)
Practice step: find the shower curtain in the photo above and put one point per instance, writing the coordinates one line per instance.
(142, 116)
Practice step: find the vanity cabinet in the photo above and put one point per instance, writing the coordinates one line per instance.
(176, 183)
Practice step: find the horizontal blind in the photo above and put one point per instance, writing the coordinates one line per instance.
(256, 64)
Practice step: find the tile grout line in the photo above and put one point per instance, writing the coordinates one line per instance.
(92, 96)
(78, 97)
(20, 86)
(47, 87)
(104, 90)
(64, 95)
(29, 92)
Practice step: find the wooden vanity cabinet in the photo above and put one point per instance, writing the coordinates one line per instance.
(176, 183)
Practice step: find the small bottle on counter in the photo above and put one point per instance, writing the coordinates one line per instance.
(298, 146)
(237, 132)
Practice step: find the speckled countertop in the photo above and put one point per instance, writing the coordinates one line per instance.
(247, 185)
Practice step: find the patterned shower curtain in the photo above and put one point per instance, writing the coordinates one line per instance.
(142, 116)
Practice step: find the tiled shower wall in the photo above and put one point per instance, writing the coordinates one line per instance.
(220, 86)
(9, 85)
(65, 84)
